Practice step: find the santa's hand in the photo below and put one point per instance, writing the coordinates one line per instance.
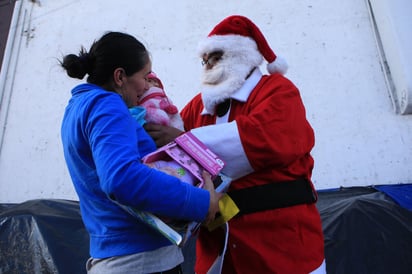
(214, 198)
(162, 135)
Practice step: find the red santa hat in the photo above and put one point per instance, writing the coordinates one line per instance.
(153, 76)
(238, 34)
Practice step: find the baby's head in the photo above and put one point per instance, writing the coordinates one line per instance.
(154, 81)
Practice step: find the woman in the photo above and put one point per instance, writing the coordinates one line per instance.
(103, 146)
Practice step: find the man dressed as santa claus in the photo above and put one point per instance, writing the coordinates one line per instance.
(257, 124)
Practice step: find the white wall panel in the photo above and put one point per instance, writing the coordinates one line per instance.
(332, 55)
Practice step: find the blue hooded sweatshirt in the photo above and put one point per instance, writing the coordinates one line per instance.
(103, 146)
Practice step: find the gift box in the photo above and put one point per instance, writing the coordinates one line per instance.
(191, 154)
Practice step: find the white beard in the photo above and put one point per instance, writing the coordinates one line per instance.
(220, 82)
(240, 56)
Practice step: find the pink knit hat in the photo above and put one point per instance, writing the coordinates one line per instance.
(153, 76)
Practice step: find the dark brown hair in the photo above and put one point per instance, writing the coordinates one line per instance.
(113, 50)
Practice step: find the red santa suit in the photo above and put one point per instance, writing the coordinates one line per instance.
(265, 138)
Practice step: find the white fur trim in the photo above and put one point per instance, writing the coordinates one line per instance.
(278, 66)
(232, 45)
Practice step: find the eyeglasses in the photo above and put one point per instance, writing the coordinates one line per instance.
(211, 59)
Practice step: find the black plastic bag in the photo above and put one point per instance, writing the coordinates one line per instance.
(43, 236)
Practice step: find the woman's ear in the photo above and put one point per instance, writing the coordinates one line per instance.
(118, 77)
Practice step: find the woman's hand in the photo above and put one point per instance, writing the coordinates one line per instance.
(162, 135)
(214, 198)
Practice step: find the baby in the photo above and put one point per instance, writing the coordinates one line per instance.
(159, 108)
(155, 107)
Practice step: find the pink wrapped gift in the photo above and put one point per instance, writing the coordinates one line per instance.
(191, 154)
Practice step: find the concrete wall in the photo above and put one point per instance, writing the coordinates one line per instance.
(329, 45)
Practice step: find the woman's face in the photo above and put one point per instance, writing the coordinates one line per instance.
(135, 85)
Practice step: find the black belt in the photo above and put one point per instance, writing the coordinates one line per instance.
(273, 195)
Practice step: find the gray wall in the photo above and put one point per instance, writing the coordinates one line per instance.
(329, 45)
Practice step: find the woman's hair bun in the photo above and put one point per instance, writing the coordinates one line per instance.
(77, 66)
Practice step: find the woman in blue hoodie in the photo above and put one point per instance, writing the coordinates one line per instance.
(103, 146)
